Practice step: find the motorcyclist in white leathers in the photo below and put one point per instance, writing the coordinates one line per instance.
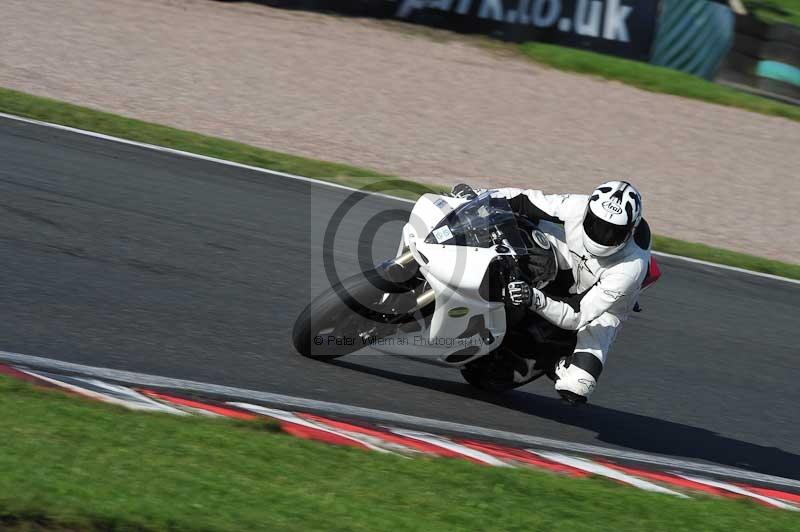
(608, 265)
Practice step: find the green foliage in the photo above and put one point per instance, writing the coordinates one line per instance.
(653, 78)
(787, 11)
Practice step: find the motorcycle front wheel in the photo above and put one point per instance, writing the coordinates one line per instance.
(346, 317)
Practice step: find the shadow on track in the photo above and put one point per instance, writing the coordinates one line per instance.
(625, 429)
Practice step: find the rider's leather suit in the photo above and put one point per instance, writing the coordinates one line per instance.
(609, 287)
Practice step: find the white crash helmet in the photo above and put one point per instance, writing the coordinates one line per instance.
(613, 212)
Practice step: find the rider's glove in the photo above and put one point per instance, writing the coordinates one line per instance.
(521, 293)
(464, 192)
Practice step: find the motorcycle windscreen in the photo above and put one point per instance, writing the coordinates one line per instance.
(483, 222)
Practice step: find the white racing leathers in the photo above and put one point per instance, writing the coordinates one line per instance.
(610, 285)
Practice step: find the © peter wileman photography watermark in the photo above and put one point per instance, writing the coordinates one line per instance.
(415, 340)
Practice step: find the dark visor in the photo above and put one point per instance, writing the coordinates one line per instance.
(603, 232)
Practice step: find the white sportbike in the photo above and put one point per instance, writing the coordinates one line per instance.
(443, 298)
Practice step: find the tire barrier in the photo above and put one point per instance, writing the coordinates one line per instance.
(764, 58)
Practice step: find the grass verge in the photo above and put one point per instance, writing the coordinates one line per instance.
(66, 114)
(30, 106)
(723, 256)
(653, 78)
(787, 11)
(72, 464)
(638, 74)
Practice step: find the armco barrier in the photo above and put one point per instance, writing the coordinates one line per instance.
(764, 58)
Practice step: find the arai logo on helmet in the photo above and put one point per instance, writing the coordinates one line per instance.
(612, 207)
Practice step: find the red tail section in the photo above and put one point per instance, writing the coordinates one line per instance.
(653, 273)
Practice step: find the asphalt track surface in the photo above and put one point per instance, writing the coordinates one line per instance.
(127, 258)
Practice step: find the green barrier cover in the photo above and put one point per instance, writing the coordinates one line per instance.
(693, 36)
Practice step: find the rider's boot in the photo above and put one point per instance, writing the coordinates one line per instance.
(576, 377)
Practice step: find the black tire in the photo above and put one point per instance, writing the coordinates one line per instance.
(746, 45)
(329, 327)
(476, 377)
(787, 33)
(494, 373)
(781, 52)
(780, 88)
(740, 63)
(749, 25)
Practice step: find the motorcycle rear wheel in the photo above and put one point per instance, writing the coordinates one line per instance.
(495, 373)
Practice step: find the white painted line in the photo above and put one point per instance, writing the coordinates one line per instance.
(133, 404)
(134, 397)
(191, 155)
(289, 417)
(725, 267)
(741, 491)
(598, 469)
(206, 158)
(450, 445)
(143, 379)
